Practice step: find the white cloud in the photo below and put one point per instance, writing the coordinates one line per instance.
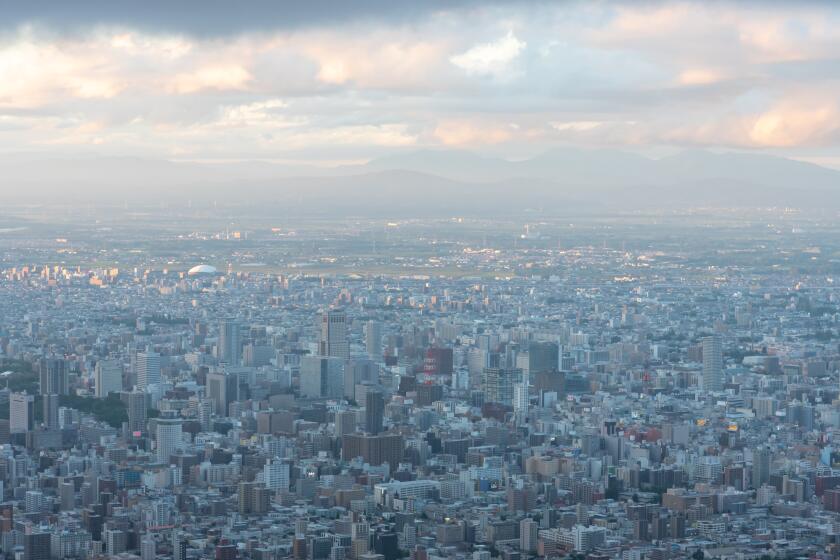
(490, 58)
(683, 73)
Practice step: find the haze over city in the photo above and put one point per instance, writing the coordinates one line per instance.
(377, 280)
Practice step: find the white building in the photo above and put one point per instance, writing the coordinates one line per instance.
(148, 369)
(107, 378)
(276, 475)
(169, 438)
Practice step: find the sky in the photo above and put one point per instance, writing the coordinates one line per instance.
(333, 82)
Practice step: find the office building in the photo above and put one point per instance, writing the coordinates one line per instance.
(321, 377)
(762, 457)
(21, 413)
(712, 364)
(148, 369)
(373, 340)
(374, 450)
(374, 411)
(179, 545)
(107, 378)
(169, 438)
(333, 340)
(36, 545)
(222, 390)
(498, 383)
(528, 529)
(50, 411)
(276, 475)
(137, 410)
(53, 376)
(228, 350)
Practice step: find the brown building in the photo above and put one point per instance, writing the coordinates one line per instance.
(374, 450)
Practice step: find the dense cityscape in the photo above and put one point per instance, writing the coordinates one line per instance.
(519, 392)
(419, 280)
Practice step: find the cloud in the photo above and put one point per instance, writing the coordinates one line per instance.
(217, 77)
(499, 76)
(214, 18)
(699, 77)
(797, 123)
(490, 58)
(465, 133)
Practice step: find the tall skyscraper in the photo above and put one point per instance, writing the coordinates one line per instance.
(137, 410)
(334, 334)
(148, 548)
(53, 376)
(761, 466)
(107, 378)
(712, 364)
(148, 369)
(528, 529)
(498, 383)
(345, 422)
(520, 402)
(50, 409)
(179, 545)
(169, 437)
(373, 339)
(36, 545)
(276, 475)
(374, 411)
(543, 356)
(321, 377)
(222, 389)
(21, 412)
(228, 346)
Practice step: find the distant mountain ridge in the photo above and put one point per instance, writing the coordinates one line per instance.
(433, 180)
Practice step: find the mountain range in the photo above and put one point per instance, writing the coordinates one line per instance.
(437, 182)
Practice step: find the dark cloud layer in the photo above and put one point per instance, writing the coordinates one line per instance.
(220, 17)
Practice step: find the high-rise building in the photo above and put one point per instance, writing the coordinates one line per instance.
(148, 369)
(67, 495)
(374, 411)
(761, 466)
(543, 356)
(116, 541)
(528, 529)
(498, 383)
(254, 498)
(137, 410)
(222, 389)
(50, 410)
(179, 545)
(107, 378)
(334, 334)
(373, 339)
(148, 548)
(53, 376)
(374, 450)
(204, 413)
(228, 350)
(345, 422)
(520, 401)
(36, 545)
(712, 364)
(21, 412)
(321, 377)
(437, 365)
(169, 437)
(276, 475)
(33, 501)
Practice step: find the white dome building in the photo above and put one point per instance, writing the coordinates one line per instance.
(202, 269)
